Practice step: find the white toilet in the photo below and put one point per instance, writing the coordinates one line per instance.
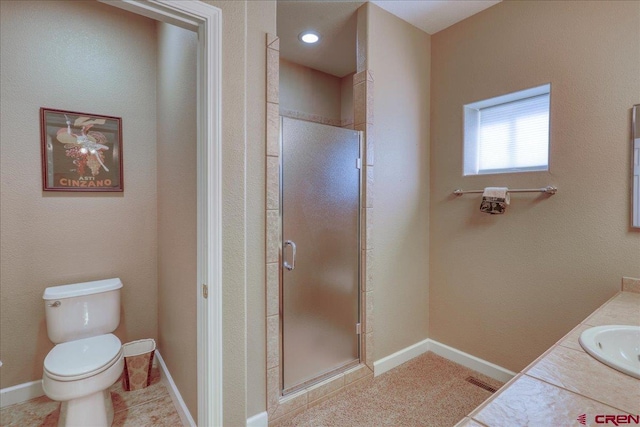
(87, 358)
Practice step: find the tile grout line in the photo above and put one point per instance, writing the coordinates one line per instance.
(145, 402)
(576, 393)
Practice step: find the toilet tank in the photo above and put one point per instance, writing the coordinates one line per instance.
(82, 310)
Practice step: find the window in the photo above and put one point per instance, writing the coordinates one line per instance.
(508, 133)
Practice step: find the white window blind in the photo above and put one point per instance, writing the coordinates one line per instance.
(508, 133)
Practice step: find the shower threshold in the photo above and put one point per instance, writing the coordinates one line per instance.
(322, 377)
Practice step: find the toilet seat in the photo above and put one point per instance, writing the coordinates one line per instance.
(75, 360)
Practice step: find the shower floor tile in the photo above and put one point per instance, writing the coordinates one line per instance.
(426, 391)
(151, 406)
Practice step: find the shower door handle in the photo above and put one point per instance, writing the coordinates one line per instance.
(293, 259)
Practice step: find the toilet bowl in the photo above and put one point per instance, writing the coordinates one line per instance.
(79, 373)
(87, 360)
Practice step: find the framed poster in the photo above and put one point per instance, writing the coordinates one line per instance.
(80, 151)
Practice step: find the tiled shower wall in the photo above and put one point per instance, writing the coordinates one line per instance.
(314, 96)
(280, 408)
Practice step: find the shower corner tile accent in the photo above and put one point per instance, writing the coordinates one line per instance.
(273, 291)
(273, 235)
(277, 407)
(366, 302)
(367, 267)
(359, 77)
(368, 357)
(367, 230)
(369, 314)
(369, 143)
(273, 41)
(363, 93)
(273, 341)
(369, 101)
(363, 97)
(359, 101)
(273, 388)
(273, 75)
(273, 182)
(369, 187)
(273, 129)
(630, 284)
(363, 266)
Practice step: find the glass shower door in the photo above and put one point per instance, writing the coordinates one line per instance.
(320, 250)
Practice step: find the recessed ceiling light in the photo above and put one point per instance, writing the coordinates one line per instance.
(309, 37)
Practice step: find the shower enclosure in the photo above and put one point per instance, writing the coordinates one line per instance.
(320, 252)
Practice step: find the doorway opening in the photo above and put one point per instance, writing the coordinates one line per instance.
(205, 21)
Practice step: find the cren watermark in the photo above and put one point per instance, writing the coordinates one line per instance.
(615, 420)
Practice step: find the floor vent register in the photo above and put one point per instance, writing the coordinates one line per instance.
(481, 384)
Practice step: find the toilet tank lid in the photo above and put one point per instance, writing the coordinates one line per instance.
(79, 289)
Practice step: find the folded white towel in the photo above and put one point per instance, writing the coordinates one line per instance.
(495, 200)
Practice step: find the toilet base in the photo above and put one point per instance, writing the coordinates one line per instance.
(93, 410)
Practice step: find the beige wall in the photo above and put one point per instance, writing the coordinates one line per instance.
(504, 288)
(309, 91)
(234, 257)
(69, 55)
(261, 19)
(243, 151)
(26, 85)
(398, 54)
(177, 205)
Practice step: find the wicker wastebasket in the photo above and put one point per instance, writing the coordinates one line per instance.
(138, 360)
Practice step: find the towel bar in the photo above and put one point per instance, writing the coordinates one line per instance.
(548, 190)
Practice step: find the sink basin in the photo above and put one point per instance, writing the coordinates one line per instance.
(617, 346)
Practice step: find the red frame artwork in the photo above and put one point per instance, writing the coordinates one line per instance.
(81, 151)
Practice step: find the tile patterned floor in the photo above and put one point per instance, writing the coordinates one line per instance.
(426, 391)
(151, 406)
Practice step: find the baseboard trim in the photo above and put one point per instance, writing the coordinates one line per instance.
(258, 420)
(399, 357)
(27, 391)
(472, 362)
(20, 393)
(176, 397)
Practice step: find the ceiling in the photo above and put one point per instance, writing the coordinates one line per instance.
(335, 21)
(432, 16)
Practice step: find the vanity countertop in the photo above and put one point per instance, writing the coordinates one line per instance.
(565, 382)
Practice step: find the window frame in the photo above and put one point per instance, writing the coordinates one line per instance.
(471, 126)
